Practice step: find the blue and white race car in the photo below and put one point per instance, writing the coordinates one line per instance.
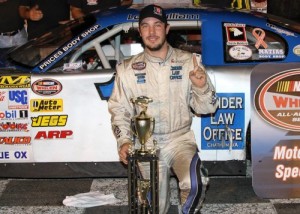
(54, 89)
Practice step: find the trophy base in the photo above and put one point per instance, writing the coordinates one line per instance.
(142, 153)
(137, 186)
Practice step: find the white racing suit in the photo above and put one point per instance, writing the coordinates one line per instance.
(167, 83)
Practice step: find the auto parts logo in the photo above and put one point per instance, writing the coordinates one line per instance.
(46, 105)
(277, 100)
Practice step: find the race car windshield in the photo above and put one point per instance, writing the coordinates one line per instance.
(36, 50)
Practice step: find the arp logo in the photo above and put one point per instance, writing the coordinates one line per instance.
(50, 135)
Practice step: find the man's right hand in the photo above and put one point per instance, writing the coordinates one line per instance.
(123, 152)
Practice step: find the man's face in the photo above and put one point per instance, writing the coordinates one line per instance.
(153, 33)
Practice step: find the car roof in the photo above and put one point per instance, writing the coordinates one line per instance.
(211, 20)
(121, 14)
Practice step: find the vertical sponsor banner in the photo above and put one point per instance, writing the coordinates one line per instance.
(15, 138)
(275, 130)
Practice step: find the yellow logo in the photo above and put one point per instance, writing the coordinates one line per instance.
(49, 120)
(14, 81)
(46, 105)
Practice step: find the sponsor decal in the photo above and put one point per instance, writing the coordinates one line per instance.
(176, 73)
(72, 66)
(13, 155)
(236, 34)
(69, 46)
(138, 66)
(271, 54)
(46, 105)
(225, 129)
(286, 153)
(280, 31)
(13, 127)
(240, 52)
(18, 99)
(157, 11)
(2, 96)
(176, 67)
(49, 120)
(15, 140)
(140, 78)
(50, 135)
(13, 114)
(15, 81)
(46, 87)
(179, 61)
(296, 50)
(259, 35)
(277, 100)
(117, 131)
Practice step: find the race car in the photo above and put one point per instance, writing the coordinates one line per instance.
(54, 119)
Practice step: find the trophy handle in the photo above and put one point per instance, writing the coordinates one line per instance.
(133, 129)
(152, 126)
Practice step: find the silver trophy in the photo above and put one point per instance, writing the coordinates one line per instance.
(139, 189)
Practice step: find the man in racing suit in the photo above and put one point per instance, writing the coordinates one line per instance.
(178, 85)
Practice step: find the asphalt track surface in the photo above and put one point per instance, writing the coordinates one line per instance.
(226, 195)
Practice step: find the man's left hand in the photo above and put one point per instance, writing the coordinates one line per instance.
(198, 75)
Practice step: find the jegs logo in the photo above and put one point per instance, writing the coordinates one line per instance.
(277, 100)
(49, 120)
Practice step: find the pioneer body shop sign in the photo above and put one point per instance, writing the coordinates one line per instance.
(275, 130)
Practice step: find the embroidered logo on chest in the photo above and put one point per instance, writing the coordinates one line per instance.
(138, 66)
(176, 74)
(140, 78)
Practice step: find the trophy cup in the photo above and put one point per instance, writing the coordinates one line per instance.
(143, 193)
